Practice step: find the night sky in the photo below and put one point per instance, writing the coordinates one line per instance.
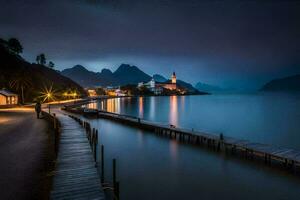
(238, 44)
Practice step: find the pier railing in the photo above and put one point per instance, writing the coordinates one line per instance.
(51, 118)
(92, 136)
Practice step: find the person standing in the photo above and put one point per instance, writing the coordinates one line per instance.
(38, 109)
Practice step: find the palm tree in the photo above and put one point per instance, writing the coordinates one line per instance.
(20, 83)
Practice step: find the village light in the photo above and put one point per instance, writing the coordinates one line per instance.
(47, 94)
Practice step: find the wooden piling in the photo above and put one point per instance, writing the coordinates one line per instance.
(102, 163)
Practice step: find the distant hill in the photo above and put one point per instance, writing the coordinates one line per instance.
(125, 74)
(14, 67)
(287, 84)
(208, 88)
(81, 75)
(159, 78)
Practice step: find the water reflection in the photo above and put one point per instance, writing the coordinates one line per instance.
(152, 108)
(173, 149)
(92, 105)
(249, 117)
(113, 105)
(141, 107)
(140, 138)
(174, 110)
(187, 172)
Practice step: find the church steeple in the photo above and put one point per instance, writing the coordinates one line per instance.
(173, 78)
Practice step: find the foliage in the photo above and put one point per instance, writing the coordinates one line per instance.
(41, 59)
(20, 83)
(51, 65)
(15, 46)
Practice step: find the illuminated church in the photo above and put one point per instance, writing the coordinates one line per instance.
(157, 87)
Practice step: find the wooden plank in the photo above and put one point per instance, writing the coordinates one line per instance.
(75, 176)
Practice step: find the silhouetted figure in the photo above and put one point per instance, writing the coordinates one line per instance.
(38, 109)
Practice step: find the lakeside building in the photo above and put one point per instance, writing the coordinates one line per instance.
(157, 87)
(92, 92)
(114, 91)
(8, 98)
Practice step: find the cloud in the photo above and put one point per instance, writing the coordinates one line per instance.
(236, 38)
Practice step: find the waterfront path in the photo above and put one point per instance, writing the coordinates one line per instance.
(23, 154)
(76, 176)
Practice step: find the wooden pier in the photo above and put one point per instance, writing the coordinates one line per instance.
(76, 175)
(286, 157)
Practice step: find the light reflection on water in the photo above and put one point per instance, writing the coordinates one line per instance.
(270, 119)
(141, 107)
(151, 167)
(174, 110)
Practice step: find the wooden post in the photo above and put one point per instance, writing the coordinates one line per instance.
(95, 151)
(266, 158)
(54, 121)
(233, 149)
(293, 166)
(114, 173)
(117, 190)
(102, 163)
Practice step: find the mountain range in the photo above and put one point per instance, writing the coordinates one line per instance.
(124, 75)
(127, 74)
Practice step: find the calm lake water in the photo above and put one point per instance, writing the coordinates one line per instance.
(151, 167)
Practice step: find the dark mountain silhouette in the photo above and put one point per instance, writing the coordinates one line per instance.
(124, 75)
(188, 87)
(81, 75)
(159, 78)
(127, 74)
(37, 77)
(287, 84)
(106, 77)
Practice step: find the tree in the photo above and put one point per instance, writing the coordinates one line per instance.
(15, 46)
(20, 83)
(51, 65)
(41, 59)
